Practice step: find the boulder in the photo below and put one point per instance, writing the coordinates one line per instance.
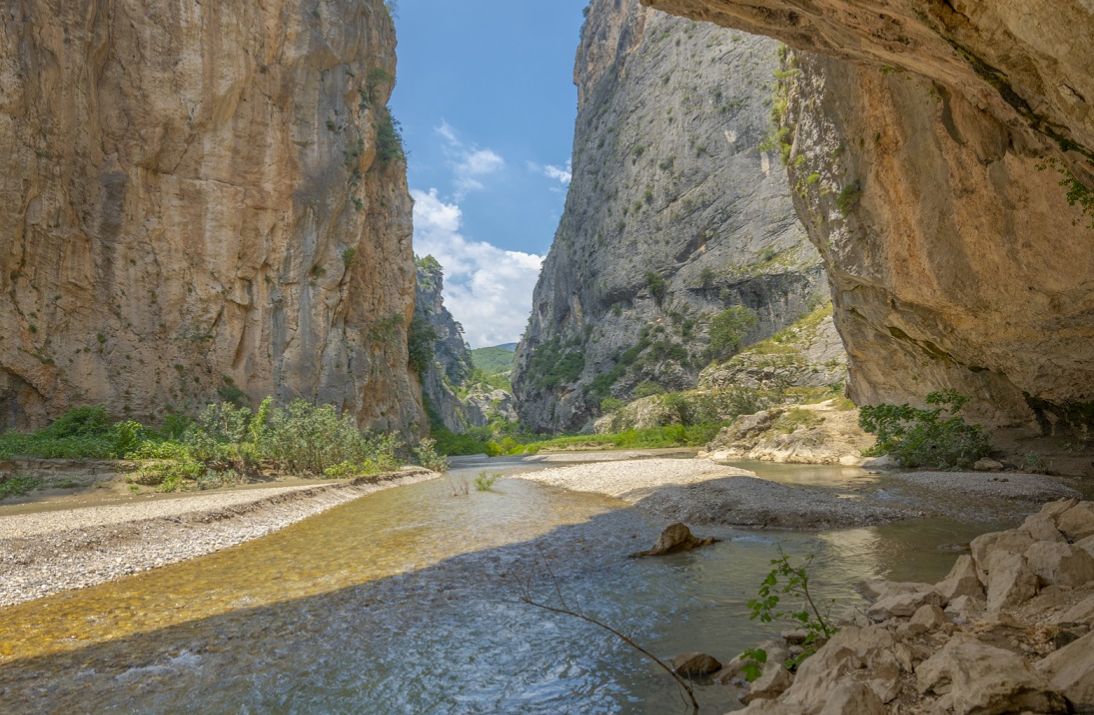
(903, 605)
(987, 464)
(877, 589)
(1011, 582)
(1077, 522)
(695, 665)
(1081, 612)
(930, 617)
(973, 677)
(774, 679)
(866, 652)
(675, 538)
(1060, 564)
(1071, 671)
(1041, 527)
(965, 608)
(961, 581)
(996, 543)
(852, 696)
(1086, 545)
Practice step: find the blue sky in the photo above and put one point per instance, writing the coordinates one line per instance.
(486, 98)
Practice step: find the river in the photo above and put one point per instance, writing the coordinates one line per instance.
(408, 601)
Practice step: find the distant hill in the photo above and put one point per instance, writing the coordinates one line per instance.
(494, 359)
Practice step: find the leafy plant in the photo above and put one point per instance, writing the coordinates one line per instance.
(938, 437)
(420, 341)
(728, 328)
(484, 482)
(14, 485)
(427, 456)
(783, 581)
(657, 286)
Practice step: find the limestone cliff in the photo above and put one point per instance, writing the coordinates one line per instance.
(927, 144)
(202, 198)
(673, 215)
(443, 351)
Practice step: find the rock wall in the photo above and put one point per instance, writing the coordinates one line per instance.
(951, 145)
(673, 214)
(449, 365)
(202, 198)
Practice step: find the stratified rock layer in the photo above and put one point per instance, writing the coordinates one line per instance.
(673, 214)
(927, 149)
(202, 198)
(449, 364)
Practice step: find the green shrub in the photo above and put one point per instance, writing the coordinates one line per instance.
(657, 286)
(937, 438)
(484, 482)
(420, 341)
(647, 388)
(728, 328)
(15, 485)
(426, 455)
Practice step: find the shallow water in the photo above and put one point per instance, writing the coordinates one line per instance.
(408, 601)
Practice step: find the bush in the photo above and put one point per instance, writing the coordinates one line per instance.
(420, 341)
(485, 481)
(427, 456)
(926, 437)
(728, 328)
(657, 286)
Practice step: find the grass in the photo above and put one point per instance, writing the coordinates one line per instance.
(484, 482)
(498, 358)
(652, 438)
(17, 486)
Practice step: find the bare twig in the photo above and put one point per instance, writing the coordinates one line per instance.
(565, 610)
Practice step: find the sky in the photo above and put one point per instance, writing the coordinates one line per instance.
(484, 91)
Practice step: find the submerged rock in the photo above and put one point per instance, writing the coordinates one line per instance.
(695, 665)
(674, 539)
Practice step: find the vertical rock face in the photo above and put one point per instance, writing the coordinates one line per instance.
(953, 160)
(449, 364)
(202, 197)
(673, 215)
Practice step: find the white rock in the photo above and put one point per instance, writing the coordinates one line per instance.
(1060, 564)
(774, 679)
(987, 464)
(852, 696)
(996, 543)
(974, 677)
(1041, 527)
(902, 605)
(961, 581)
(1077, 522)
(1011, 582)
(1071, 671)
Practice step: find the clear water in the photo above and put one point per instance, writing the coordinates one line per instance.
(408, 601)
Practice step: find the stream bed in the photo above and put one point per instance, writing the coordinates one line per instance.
(408, 601)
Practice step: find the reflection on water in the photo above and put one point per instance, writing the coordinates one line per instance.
(405, 601)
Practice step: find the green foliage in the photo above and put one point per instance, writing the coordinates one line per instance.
(647, 389)
(728, 328)
(787, 580)
(389, 138)
(794, 418)
(426, 455)
(484, 482)
(15, 485)
(498, 358)
(657, 286)
(81, 433)
(668, 436)
(937, 438)
(848, 197)
(611, 404)
(420, 341)
(553, 364)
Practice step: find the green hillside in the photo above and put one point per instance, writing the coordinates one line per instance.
(497, 358)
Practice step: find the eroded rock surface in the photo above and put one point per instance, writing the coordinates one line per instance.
(199, 199)
(673, 214)
(927, 142)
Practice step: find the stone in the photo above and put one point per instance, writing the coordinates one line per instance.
(1077, 523)
(877, 589)
(796, 636)
(996, 543)
(964, 609)
(852, 697)
(774, 679)
(988, 464)
(1081, 612)
(674, 539)
(695, 665)
(645, 198)
(1060, 564)
(205, 213)
(1011, 581)
(1086, 545)
(973, 677)
(960, 581)
(866, 651)
(1041, 527)
(903, 605)
(930, 617)
(1071, 671)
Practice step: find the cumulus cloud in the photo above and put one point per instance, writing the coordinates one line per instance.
(487, 289)
(562, 175)
(470, 164)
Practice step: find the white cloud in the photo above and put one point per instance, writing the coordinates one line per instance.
(487, 289)
(557, 173)
(470, 164)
